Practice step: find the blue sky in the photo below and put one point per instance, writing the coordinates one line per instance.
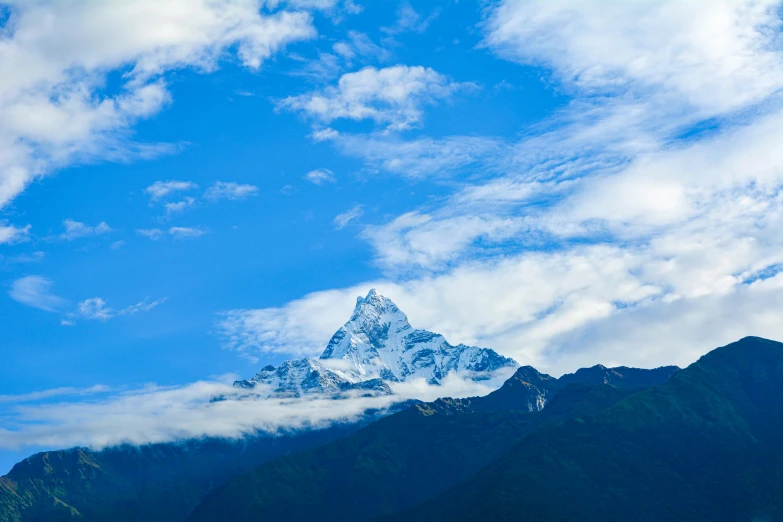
(194, 189)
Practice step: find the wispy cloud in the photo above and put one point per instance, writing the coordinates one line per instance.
(186, 232)
(423, 156)
(163, 192)
(175, 232)
(352, 214)
(52, 393)
(320, 176)
(76, 229)
(300, 328)
(230, 190)
(161, 189)
(416, 240)
(10, 234)
(392, 97)
(356, 48)
(152, 233)
(96, 309)
(36, 291)
(177, 207)
(410, 20)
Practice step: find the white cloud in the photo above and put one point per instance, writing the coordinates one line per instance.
(76, 229)
(152, 233)
(359, 45)
(671, 186)
(51, 393)
(161, 189)
(10, 234)
(155, 414)
(341, 220)
(96, 308)
(320, 176)
(323, 5)
(177, 207)
(417, 240)
(36, 291)
(422, 156)
(681, 330)
(714, 56)
(175, 232)
(163, 414)
(186, 232)
(392, 96)
(230, 190)
(53, 105)
(356, 48)
(301, 328)
(409, 20)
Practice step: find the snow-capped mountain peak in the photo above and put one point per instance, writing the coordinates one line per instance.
(378, 345)
(372, 337)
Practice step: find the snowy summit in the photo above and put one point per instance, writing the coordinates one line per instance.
(375, 347)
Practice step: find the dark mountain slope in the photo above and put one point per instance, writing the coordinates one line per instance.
(706, 446)
(621, 376)
(161, 482)
(405, 458)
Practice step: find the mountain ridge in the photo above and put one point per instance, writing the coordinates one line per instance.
(403, 458)
(705, 446)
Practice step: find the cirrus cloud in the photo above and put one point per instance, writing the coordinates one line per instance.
(36, 291)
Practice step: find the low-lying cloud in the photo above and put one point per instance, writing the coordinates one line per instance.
(100, 418)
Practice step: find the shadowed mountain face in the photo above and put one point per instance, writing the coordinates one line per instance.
(157, 483)
(622, 376)
(406, 458)
(706, 446)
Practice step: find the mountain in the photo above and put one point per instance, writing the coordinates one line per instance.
(164, 482)
(621, 376)
(154, 483)
(375, 347)
(537, 388)
(705, 446)
(307, 376)
(405, 458)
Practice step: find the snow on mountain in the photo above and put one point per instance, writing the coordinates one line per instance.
(376, 346)
(307, 376)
